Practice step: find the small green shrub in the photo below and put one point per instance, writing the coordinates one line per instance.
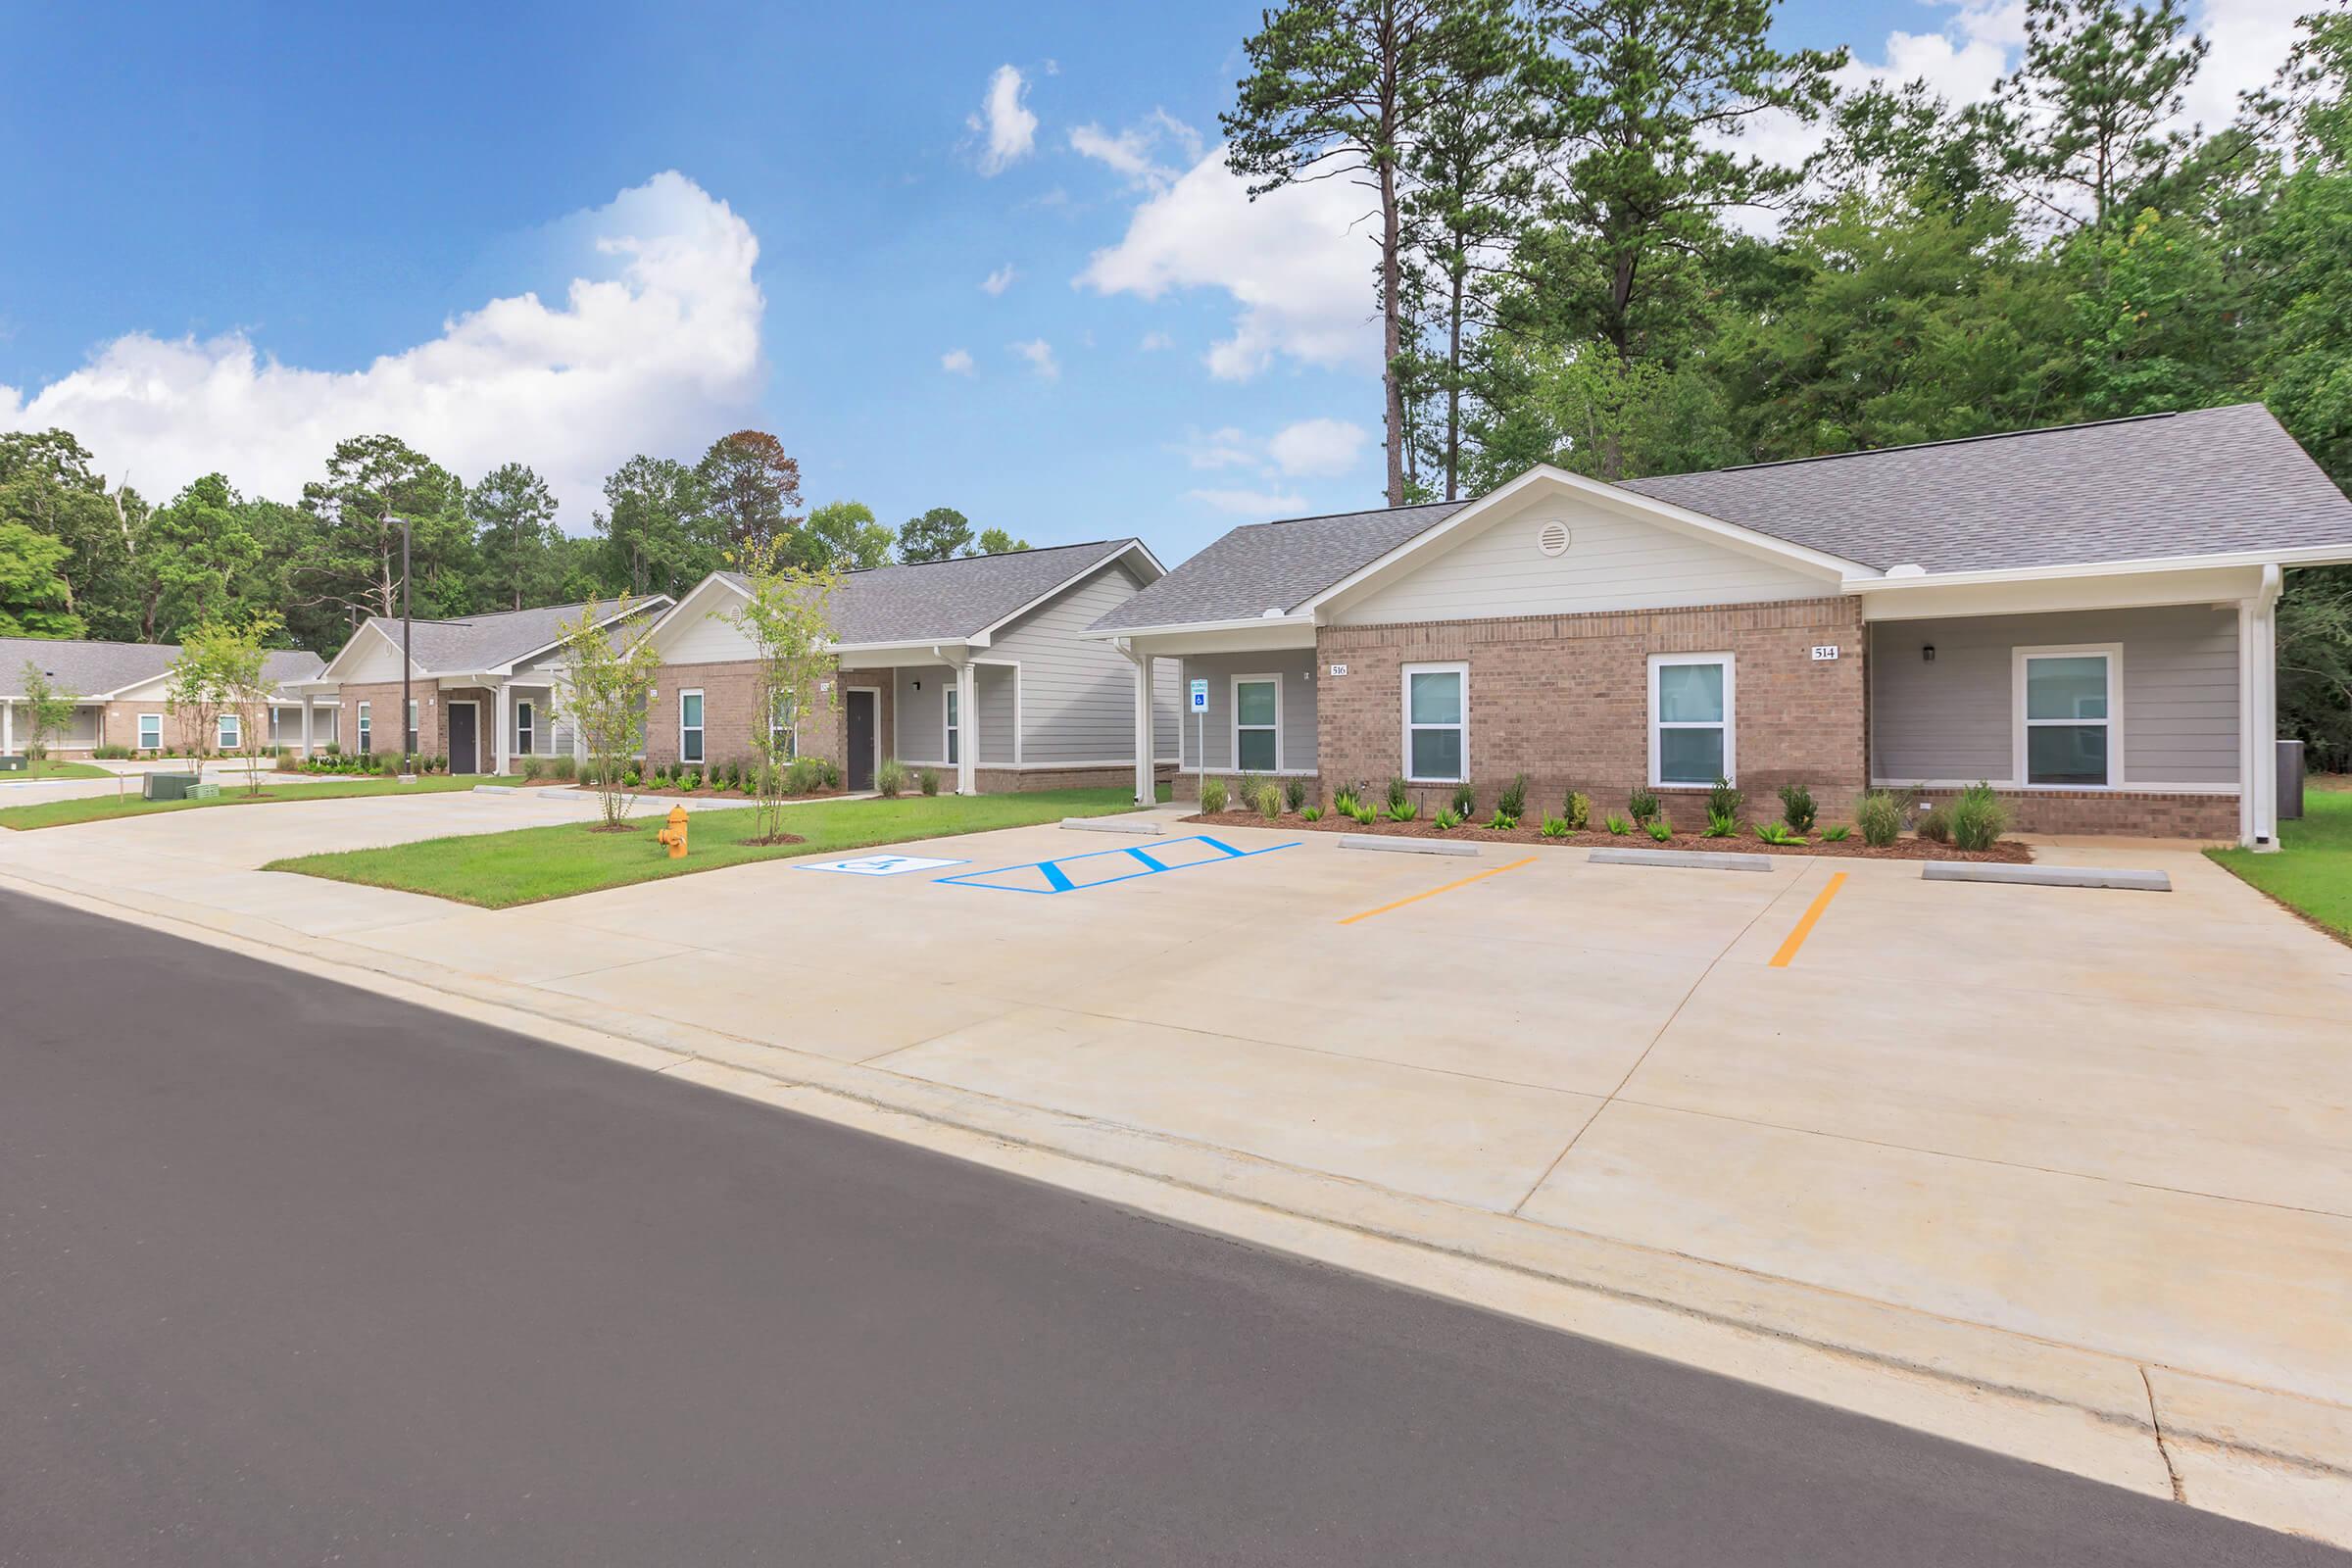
(1401, 808)
(1445, 817)
(1978, 818)
(1294, 794)
(1617, 824)
(530, 767)
(1310, 814)
(1465, 802)
(1835, 833)
(1725, 800)
(1934, 826)
(1245, 792)
(1269, 801)
(110, 754)
(1777, 833)
(1502, 821)
(564, 768)
(928, 780)
(1365, 812)
(1880, 818)
(1660, 829)
(633, 779)
(1345, 800)
(1796, 808)
(1396, 793)
(1720, 824)
(1642, 805)
(1512, 802)
(1555, 828)
(890, 780)
(692, 781)
(1212, 795)
(1578, 811)
(332, 749)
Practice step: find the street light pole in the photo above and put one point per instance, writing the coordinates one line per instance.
(408, 663)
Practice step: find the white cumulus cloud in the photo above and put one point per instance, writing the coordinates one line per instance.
(956, 362)
(1318, 449)
(654, 347)
(1134, 153)
(1153, 342)
(1262, 505)
(1298, 262)
(1007, 128)
(1039, 355)
(998, 282)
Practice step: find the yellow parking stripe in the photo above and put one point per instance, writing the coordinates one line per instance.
(1804, 927)
(1434, 892)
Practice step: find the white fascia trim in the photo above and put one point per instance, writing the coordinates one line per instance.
(1835, 569)
(2308, 555)
(676, 608)
(636, 607)
(1182, 628)
(980, 638)
(416, 672)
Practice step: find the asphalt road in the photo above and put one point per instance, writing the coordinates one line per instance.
(292, 1274)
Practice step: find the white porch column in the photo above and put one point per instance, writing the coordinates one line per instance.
(505, 727)
(7, 726)
(2258, 715)
(306, 726)
(1146, 780)
(967, 727)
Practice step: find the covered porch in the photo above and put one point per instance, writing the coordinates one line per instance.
(951, 707)
(1258, 708)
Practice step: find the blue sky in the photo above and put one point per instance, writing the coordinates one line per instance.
(236, 237)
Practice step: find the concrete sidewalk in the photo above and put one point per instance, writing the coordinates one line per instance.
(2007, 1164)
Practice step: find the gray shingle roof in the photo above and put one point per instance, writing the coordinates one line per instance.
(2211, 482)
(90, 669)
(464, 645)
(2214, 481)
(1273, 565)
(954, 599)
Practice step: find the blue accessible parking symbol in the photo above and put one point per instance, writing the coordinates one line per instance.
(1075, 873)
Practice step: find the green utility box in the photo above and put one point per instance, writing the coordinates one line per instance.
(14, 765)
(170, 786)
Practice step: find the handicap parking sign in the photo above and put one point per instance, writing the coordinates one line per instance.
(880, 865)
(1200, 697)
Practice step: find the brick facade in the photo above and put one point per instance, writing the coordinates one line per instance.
(1010, 780)
(432, 719)
(2210, 818)
(1565, 699)
(730, 709)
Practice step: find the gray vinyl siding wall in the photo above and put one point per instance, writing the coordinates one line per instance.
(998, 714)
(1953, 719)
(919, 716)
(1077, 691)
(1296, 667)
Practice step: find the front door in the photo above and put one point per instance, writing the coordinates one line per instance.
(464, 750)
(860, 764)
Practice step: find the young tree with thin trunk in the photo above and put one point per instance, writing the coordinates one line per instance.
(786, 616)
(238, 655)
(48, 713)
(195, 696)
(1340, 89)
(608, 679)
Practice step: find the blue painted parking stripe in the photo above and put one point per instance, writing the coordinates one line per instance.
(1059, 879)
(1146, 860)
(1055, 877)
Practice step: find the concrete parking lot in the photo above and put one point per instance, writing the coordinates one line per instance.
(2119, 1121)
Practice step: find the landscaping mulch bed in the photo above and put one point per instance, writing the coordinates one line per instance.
(2007, 851)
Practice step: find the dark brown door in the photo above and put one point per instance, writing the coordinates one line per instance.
(860, 763)
(464, 752)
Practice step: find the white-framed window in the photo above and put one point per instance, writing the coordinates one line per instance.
(151, 732)
(366, 731)
(412, 726)
(2069, 703)
(1436, 723)
(526, 726)
(232, 734)
(783, 729)
(690, 726)
(1693, 737)
(953, 724)
(1257, 724)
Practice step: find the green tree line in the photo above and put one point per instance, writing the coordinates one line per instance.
(1576, 259)
(80, 558)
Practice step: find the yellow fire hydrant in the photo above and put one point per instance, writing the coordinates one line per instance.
(674, 835)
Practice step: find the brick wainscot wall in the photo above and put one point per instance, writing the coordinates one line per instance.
(1565, 700)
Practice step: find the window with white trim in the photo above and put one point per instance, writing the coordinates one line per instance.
(954, 722)
(1257, 724)
(230, 733)
(526, 726)
(151, 732)
(783, 729)
(1692, 737)
(412, 726)
(690, 726)
(2066, 701)
(1436, 723)
(366, 731)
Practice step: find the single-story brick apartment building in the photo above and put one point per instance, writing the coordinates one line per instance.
(979, 667)
(2082, 617)
(122, 697)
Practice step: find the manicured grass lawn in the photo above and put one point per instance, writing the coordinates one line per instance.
(107, 807)
(2312, 871)
(498, 870)
(42, 772)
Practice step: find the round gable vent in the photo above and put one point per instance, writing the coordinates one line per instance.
(1553, 539)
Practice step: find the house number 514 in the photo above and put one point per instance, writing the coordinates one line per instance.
(1826, 650)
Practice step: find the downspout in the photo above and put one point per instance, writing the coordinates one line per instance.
(2265, 712)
